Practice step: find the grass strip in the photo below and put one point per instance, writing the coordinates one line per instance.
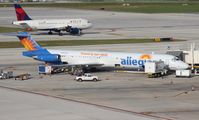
(9, 29)
(15, 44)
(120, 7)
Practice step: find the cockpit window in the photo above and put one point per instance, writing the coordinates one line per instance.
(175, 59)
(89, 22)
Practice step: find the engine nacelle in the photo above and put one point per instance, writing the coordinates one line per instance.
(75, 31)
(48, 58)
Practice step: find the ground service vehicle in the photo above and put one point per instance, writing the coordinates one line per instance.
(6, 75)
(86, 77)
(183, 73)
(155, 69)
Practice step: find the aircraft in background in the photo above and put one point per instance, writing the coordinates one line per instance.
(95, 59)
(73, 26)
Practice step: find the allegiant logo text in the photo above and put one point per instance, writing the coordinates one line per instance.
(130, 61)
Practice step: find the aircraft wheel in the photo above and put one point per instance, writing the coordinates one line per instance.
(60, 34)
(80, 80)
(80, 32)
(50, 32)
(95, 79)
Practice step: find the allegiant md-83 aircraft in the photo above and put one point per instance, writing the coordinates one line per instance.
(73, 26)
(95, 59)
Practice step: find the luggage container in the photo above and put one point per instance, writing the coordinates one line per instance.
(183, 73)
(45, 69)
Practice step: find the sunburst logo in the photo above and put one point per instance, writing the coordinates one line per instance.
(145, 57)
(28, 44)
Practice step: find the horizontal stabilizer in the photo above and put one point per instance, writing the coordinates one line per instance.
(23, 34)
(35, 53)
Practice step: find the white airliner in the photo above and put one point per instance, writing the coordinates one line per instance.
(73, 26)
(95, 59)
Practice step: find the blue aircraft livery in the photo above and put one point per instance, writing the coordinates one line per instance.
(130, 61)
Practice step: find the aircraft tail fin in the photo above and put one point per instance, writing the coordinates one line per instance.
(28, 42)
(20, 13)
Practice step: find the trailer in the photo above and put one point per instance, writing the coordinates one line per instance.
(183, 73)
(6, 75)
(51, 69)
(155, 69)
(22, 77)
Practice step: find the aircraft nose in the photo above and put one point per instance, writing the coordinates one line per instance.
(185, 66)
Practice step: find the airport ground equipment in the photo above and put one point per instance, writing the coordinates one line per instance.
(43, 69)
(183, 73)
(6, 75)
(191, 57)
(51, 69)
(76, 70)
(155, 69)
(86, 77)
(196, 71)
(162, 39)
(22, 77)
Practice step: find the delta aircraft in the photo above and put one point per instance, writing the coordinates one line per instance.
(73, 26)
(95, 59)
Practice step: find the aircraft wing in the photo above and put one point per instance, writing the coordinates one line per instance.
(82, 65)
(56, 28)
(59, 27)
(25, 25)
(67, 28)
(87, 64)
(71, 30)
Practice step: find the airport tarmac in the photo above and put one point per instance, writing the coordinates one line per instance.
(37, 107)
(136, 96)
(167, 98)
(112, 25)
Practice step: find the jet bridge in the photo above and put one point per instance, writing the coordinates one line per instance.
(190, 57)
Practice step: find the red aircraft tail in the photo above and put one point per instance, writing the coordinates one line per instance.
(20, 13)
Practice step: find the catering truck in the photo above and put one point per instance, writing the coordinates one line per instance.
(155, 69)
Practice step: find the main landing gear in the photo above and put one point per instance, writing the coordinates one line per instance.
(50, 32)
(60, 33)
